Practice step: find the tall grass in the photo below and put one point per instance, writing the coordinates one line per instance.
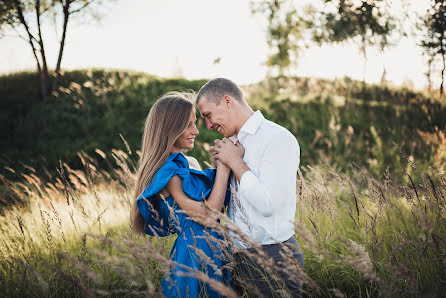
(361, 236)
(370, 236)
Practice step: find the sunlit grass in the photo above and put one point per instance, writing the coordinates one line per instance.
(361, 236)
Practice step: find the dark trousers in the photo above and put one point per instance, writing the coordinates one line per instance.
(257, 276)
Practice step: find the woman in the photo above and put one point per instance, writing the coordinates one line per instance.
(168, 190)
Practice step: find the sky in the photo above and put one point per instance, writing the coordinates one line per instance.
(183, 38)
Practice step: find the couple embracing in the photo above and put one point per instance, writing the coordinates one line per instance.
(254, 182)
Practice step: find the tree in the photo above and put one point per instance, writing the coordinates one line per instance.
(428, 45)
(434, 40)
(367, 22)
(26, 18)
(285, 31)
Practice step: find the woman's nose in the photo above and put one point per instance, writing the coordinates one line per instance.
(195, 131)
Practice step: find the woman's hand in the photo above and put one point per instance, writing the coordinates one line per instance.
(240, 148)
(221, 167)
(227, 152)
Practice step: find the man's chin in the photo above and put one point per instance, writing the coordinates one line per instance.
(221, 132)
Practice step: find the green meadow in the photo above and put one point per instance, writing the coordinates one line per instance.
(371, 192)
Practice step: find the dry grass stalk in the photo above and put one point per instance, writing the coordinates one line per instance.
(354, 220)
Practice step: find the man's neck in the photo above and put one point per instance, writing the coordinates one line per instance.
(244, 114)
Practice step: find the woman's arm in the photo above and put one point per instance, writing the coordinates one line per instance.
(216, 198)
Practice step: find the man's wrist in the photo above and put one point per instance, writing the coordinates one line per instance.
(233, 163)
(239, 169)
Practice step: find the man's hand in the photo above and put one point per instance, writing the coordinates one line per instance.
(226, 152)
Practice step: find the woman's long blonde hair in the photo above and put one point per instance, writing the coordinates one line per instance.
(166, 121)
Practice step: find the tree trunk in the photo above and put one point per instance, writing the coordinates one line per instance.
(429, 72)
(31, 39)
(441, 39)
(44, 75)
(384, 77)
(442, 74)
(364, 55)
(57, 74)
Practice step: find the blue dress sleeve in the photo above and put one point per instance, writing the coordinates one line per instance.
(196, 184)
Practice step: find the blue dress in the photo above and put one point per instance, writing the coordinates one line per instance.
(164, 217)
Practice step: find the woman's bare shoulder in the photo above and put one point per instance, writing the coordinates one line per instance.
(193, 163)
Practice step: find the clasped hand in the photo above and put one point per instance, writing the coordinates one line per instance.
(227, 152)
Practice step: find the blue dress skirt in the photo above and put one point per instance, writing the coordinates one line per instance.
(194, 249)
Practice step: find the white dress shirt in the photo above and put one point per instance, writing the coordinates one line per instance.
(265, 203)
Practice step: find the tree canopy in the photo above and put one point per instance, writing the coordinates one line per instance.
(286, 29)
(433, 40)
(367, 23)
(25, 19)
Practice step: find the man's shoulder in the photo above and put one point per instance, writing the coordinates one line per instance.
(271, 129)
(273, 125)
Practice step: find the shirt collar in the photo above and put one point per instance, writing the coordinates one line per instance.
(250, 127)
(252, 124)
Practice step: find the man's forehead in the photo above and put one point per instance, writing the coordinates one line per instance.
(205, 106)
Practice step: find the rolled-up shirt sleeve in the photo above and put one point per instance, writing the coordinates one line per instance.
(277, 171)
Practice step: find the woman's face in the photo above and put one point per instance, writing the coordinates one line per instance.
(187, 138)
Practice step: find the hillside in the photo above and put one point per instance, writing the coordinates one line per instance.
(340, 122)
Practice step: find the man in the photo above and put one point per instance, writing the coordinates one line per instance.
(264, 183)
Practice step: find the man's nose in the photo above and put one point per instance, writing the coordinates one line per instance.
(209, 124)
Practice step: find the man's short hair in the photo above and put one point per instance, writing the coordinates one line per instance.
(215, 89)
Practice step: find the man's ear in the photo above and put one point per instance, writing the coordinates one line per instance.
(227, 100)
